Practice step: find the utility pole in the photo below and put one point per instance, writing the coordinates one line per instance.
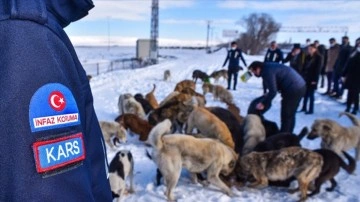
(154, 31)
(207, 35)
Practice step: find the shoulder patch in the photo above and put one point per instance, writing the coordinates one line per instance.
(58, 153)
(53, 106)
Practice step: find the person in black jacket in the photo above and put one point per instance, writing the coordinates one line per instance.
(322, 51)
(340, 63)
(233, 56)
(273, 54)
(296, 58)
(283, 79)
(312, 70)
(352, 81)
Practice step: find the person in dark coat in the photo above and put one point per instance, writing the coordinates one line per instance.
(233, 56)
(340, 63)
(352, 82)
(273, 54)
(296, 58)
(312, 70)
(51, 147)
(283, 79)
(321, 49)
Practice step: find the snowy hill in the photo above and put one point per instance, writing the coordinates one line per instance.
(107, 87)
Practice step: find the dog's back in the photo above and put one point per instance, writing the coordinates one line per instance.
(144, 103)
(254, 132)
(183, 84)
(135, 124)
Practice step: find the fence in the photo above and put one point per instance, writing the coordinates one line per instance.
(103, 67)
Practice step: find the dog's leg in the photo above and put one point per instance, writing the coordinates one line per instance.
(158, 177)
(333, 185)
(171, 181)
(213, 177)
(190, 126)
(131, 176)
(357, 153)
(303, 186)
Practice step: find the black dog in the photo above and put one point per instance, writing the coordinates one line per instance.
(144, 103)
(231, 122)
(198, 74)
(281, 140)
(331, 167)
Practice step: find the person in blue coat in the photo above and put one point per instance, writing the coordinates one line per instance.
(233, 56)
(51, 146)
(283, 79)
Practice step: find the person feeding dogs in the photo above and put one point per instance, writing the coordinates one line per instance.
(283, 79)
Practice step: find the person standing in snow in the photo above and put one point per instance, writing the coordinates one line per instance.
(273, 54)
(312, 70)
(296, 58)
(283, 79)
(332, 54)
(351, 77)
(233, 56)
(322, 51)
(51, 146)
(344, 54)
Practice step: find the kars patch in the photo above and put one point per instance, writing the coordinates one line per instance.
(53, 106)
(59, 153)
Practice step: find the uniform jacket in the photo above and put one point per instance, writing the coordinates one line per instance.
(332, 55)
(233, 57)
(274, 55)
(342, 58)
(352, 72)
(312, 69)
(51, 146)
(280, 78)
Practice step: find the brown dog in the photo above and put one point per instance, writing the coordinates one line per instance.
(135, 124)
(219, 92)
(303, 164)
(183, 84)
(209, 125)
(218, 74)
(151, 98)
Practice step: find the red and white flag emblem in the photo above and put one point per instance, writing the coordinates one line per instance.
(57, 101)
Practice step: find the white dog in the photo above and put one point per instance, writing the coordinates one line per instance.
(254, 133)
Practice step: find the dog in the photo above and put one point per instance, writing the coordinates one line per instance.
(219, 92)
(199, 97)
(235, 110)
(331, 167)
(168, 98)
(281, 140)
(183, 84)
(218, 74)
(172, 152)
(111, 130)
(150, 97)
(134, 107)
(303, 164)
(209, 125)
(167, 75)
(135, 124)
(170, 110)
(233, 125)
(121, 168)
(198, 74)
(336, 137)
(254, 132)
(144, 103)
(121, 102)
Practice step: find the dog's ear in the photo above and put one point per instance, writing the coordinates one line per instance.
(326, 127)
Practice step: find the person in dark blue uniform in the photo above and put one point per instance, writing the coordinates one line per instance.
(283, 79)
(273, 54)
(233, 56)
(51, 146)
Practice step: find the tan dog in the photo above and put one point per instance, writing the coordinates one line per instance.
(167, 75)
(112, 129)
(218, 74)
(254, 133)
(172, 152)
(336, 137)
(199, 97)
(168, 97)
(209, 125)
(279, 165)
(134, 107)
(121, 102)
(219, 92)
(151, 98)
(135, 124)
(183, 84)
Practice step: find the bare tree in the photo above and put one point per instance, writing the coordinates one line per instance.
(260, 30)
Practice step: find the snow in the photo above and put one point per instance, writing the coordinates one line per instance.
(107, 87)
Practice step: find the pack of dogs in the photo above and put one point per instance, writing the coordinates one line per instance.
(221, 147)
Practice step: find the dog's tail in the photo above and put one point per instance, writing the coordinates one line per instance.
(153, 90)
(303, 133)
(353, 118)
(158, 132)
(352, 163)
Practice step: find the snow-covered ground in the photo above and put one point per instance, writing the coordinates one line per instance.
(107, 87)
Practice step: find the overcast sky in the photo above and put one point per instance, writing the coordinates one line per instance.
(184, 21)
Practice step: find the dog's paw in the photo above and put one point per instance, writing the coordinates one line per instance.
(205, 183)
